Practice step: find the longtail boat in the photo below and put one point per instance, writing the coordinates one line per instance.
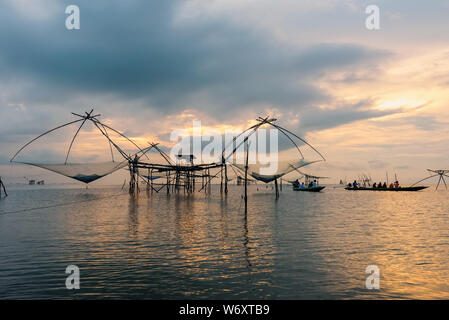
(309, 189)
(417, 188)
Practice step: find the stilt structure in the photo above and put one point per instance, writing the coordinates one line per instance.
(134, 176)
(177, 175)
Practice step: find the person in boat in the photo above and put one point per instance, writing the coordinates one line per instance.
(355, 184)
(375, 185)
(296, 183)
(315, 184)
(385, 185)
(391, 185)
(310, 184)
(303, 186)
(379, 185)
(396, 184)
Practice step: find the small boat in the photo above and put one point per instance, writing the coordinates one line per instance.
(31, 182)
(309, 189)
(308, 183)
(417, 188)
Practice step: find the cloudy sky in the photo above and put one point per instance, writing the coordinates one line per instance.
(369, 100)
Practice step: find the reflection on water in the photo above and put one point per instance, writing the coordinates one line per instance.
(176, 246)
(133, 220)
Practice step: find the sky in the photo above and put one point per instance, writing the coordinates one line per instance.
(370, 101)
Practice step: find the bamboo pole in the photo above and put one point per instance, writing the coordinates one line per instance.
(168, 184)
(246, 176)
(209, 184)
(226, 178)
(151, 176)
(202, 179)
(221, 179)
(136, 174)
(2, 186)
(131, 178)
(277, 189)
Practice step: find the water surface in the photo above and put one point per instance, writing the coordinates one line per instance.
(159, 246)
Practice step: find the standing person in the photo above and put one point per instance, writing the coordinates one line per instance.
(315, 184)
(354, 184)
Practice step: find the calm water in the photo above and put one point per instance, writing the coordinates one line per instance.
(302, 246)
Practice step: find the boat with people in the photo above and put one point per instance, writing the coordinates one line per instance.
(417, 188)
(395, 187)
(309, 189)
(311, 183)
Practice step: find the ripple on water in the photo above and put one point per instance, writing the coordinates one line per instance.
(157, 246)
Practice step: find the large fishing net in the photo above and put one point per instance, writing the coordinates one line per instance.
(262, 170)
(283, 168)
(83, 171)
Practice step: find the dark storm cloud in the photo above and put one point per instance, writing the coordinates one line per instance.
(136, 51)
